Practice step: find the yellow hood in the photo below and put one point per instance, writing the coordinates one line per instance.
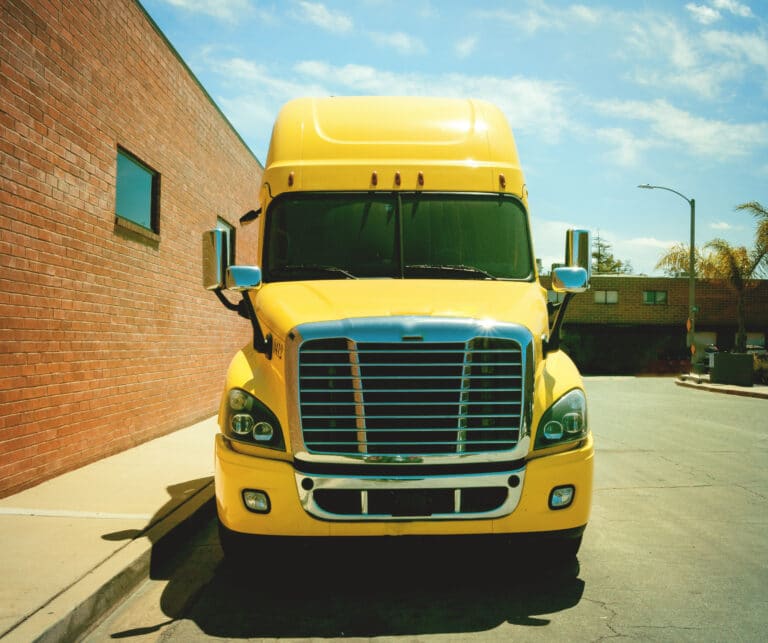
(285, 305)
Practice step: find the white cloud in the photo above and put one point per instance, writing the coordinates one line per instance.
(642, 252)
(707, 14)
(705, 82)
(357, 79)
(228, 10)
(528, 104)
(541, 16)
(549, 240)
(400, 42)
(706, 137)
(252, 110)
(319, 15)
(702, 13)
(584, 14)
(626, 148)
(666, 40)
(466, 46)
(665, 55)
(736, 8)
(751, 48)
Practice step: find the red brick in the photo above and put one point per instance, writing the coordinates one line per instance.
(100, 328)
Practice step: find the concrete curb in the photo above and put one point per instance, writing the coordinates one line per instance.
(696, 382)
(73, 611)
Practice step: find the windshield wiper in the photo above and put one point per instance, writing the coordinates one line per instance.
(313, 267)
(459, 269)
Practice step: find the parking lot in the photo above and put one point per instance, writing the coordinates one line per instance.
(676, 550)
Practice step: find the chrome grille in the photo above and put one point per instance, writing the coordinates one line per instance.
(410, 397)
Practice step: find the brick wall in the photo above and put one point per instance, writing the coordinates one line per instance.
(631, 337)
(716, 302)
(107, 338)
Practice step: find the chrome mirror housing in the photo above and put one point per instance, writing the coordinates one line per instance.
(218, 255)
(242, 278)
(578, 250)
(573, 280)
(574, 276)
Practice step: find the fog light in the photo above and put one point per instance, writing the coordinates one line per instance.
(561, 497)
(242, 423)
(256, 501)
(263, 432)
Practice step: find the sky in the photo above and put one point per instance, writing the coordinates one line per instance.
(602, 96)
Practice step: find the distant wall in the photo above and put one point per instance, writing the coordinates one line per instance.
(107, 338)
(629, 335)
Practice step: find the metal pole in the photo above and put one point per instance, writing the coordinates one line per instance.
(692, 280)
(691, 322)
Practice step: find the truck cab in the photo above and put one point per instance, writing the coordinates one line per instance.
(405, 376)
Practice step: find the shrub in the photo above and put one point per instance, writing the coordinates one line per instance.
(761, 369)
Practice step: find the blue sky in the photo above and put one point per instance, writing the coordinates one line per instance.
(602, 96)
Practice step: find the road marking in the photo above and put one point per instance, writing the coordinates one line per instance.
(64, 513)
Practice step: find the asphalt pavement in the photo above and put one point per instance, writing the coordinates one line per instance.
(75, 545)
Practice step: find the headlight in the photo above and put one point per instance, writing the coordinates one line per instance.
(249, 420)
(564, 421)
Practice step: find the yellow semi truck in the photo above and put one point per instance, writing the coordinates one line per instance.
(405, 376)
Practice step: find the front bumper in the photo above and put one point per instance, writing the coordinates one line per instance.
(525, 510)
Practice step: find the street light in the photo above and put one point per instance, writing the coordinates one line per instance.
(691, 267)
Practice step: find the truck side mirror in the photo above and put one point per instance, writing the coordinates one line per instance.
(242, 278)
(574, 276)
(218, 256)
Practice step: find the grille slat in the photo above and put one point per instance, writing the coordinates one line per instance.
(410, 398)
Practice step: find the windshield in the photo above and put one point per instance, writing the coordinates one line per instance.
(400, 235)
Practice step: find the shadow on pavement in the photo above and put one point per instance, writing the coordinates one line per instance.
(366, 588)
(166, 545)
(178, 494)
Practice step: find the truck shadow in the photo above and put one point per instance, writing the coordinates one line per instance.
(378, 587)
(353, 587)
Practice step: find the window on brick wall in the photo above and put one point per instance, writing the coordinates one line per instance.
(222, 224)
(606, 296)
(655, 297)
(137, 192)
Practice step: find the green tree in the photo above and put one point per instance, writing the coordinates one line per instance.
(603, 261)
(738, 266)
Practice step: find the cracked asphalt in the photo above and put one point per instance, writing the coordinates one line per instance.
(676, 550)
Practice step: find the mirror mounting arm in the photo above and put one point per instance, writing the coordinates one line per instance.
(238, 307)
(261, 344)
(553, 342)
(244, 308)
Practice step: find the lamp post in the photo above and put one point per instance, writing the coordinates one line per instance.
(691, 326)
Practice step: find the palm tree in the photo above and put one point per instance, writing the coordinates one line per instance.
(676, 262)
(736, 265)
(760, 251)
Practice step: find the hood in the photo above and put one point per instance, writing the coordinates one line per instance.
(283, 306)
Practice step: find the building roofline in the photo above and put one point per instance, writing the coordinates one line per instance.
(174, 51)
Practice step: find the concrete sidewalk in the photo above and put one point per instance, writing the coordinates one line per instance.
(75, 545)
